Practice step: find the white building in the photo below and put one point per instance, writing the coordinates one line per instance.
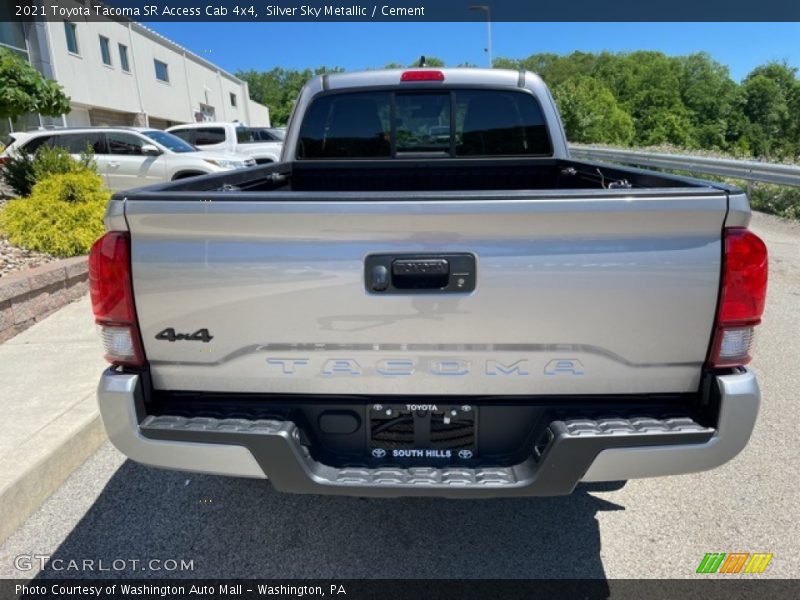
(122, 73)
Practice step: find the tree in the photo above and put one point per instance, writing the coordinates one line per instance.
(430, 61)
(769, 100)
(591, 114)
(24, 90)
(278, 89)
(643, 98)
(709, 93)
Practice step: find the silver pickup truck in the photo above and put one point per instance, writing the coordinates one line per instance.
(428, 297)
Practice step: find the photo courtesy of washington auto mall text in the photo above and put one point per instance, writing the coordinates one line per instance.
(399, 299)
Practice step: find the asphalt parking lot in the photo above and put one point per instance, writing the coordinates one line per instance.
(112, 509)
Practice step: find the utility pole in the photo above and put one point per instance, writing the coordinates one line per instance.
(485, 8)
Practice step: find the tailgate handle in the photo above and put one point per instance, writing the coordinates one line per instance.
(416, 274)
(420, 273)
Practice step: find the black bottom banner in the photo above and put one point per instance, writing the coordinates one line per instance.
(397, 589)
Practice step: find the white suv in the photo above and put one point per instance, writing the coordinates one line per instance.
(130, 157)
(261, 143)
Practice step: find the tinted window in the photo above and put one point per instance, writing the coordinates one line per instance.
(170, 141)
(267, 135)
(187, 135)
(105, 50)
(209, 135)
(124, 143)
(77, 143)
(422, 122)
(123, 58)
(12, 31)
(70, 30)
(354, 125)
(245, 135)
(33, 145)
(162, 70)
(487, 123)
(492, 123)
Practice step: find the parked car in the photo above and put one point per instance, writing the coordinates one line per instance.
(268, 134)
(5, 142)
(388, 313)
(261, 143)
(131, 157)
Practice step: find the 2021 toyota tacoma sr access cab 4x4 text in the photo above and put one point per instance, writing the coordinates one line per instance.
(428, 297)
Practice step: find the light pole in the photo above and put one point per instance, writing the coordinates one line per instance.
(485, 8)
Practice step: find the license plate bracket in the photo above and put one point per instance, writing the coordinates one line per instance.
(423, 433)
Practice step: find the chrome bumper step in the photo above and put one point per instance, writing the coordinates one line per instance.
(558, 460)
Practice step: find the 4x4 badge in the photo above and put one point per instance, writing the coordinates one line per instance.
(201, 335)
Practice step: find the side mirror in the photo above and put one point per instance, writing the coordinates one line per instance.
(151, 150)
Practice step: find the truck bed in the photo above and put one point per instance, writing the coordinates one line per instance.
(434, 175)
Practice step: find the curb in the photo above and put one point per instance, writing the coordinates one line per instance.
(28, 491)
(58, 424)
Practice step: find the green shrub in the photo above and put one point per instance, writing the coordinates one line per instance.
(63, 215)
(56, 161)
(18, 173)
(776, 199)
(23, 170)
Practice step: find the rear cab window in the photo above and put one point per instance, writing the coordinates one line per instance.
(245, 135)
(206, 136)
(446, 123)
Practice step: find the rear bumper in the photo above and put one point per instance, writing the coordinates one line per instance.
(271, 449)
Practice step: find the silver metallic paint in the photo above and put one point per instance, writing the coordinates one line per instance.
(118, 395)
(628, 286)
(738, 412)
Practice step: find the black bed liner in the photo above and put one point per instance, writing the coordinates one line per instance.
(435, 175)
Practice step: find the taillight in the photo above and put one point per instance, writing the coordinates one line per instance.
(742, 296)
(112, 299)
(422, 75)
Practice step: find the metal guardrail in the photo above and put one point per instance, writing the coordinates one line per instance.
(749, 170)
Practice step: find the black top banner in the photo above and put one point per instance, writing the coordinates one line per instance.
(409, 10)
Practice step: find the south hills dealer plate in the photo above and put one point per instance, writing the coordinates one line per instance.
(422, 433)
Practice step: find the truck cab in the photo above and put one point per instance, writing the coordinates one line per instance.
(259, 143)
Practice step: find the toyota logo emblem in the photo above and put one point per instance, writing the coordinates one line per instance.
(378, 452)
(465, 454)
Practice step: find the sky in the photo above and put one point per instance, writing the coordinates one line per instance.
(262, 46)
